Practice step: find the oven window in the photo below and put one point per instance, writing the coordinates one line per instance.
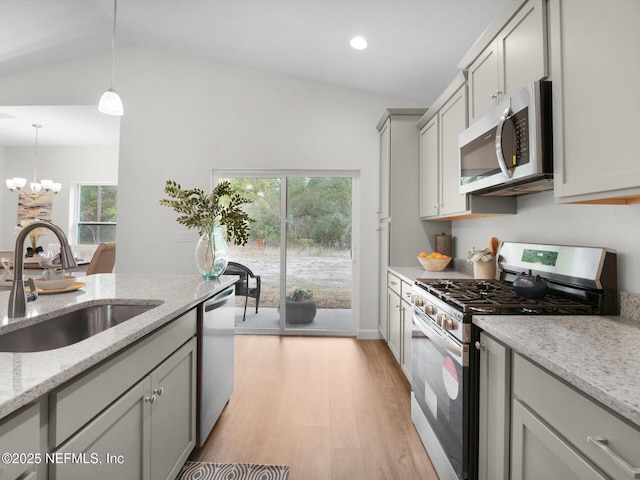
(439, 384)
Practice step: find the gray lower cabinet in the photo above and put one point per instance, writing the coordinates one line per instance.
(20, 437)
(394, 306)
(539, 452)
(559, 432)
(494, 409)
(147, 433)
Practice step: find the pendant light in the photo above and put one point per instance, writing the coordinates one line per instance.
(110, 102)
(36, 189)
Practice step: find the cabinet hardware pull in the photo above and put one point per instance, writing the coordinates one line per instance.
(479, 345)
(158, 391)
(602, 443)
(152, 399)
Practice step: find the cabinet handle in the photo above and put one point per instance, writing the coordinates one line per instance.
(479, 346)
(601, 443)
(496, 94)
(152, 399)
(158, 391)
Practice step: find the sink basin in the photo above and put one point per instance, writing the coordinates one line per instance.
(69, 328)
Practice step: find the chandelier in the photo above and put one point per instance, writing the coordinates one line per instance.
(37, 189)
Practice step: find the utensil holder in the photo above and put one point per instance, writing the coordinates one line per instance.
(484, 270)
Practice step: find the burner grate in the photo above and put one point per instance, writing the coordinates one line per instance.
(494, 297)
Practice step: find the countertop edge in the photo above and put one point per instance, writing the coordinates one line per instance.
(93, 350)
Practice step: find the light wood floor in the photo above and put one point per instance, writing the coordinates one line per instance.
(330, 408)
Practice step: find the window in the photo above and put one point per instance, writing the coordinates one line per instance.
(96, 214)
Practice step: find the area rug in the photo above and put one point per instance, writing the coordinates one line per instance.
(232, 471)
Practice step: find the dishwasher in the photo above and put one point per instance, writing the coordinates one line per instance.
(216, 329)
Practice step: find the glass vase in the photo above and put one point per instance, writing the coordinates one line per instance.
(212, 254)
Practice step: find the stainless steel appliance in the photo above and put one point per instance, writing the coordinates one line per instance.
(216, 329)
(445, 375)
(509, 151)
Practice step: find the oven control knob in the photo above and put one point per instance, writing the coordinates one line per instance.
(449, 324)
(440, 319)
(430, 310)
(418, 301)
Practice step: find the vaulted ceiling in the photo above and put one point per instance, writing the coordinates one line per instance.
(414, 45)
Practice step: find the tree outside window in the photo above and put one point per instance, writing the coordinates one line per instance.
(97, 214)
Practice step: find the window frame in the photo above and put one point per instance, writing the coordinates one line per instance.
(75, 217)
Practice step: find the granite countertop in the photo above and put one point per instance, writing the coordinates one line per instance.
(597, 355)
(24, 377)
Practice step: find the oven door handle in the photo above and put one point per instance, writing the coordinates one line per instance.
(435, 336)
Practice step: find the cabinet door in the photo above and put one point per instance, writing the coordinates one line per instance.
(173, 412)
(394, 323)
(406, 324)
(383, 321)
(538, 452)
(594, 152)
(114, 445)
(385, 170)
(484, 82)
(20, 433)
(453, 120)
(494, 410)
(429, 169)
(522, 48)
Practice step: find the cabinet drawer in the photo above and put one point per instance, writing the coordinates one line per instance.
(406, 291)
(20, 433)
(394, 283)
(75, 404)
(609, 442)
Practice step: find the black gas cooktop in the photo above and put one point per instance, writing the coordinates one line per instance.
(497, 297)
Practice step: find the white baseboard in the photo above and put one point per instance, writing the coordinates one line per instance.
(370, 334)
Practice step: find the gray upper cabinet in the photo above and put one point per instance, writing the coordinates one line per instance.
(440, 196)
(596, 100)
(511, 53)
(399, 186)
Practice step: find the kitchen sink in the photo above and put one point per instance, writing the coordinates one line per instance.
(69, 328)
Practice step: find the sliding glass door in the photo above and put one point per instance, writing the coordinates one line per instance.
(301, 248)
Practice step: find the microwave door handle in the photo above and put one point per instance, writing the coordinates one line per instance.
(508, 172)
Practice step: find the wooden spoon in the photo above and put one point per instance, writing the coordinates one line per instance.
(494, 244)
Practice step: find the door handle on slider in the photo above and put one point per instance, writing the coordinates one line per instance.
(601, 443)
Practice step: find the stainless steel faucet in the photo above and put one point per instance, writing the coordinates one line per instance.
(18, 297)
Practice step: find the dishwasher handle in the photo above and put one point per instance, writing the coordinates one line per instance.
(219, 299)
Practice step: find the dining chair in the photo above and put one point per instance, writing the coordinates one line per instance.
(103, 260)
(243, 287)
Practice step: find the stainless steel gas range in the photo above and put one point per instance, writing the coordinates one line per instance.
(445, 376)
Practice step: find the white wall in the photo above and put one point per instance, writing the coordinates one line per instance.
(541, 220)
(67, 165)
(185, 116)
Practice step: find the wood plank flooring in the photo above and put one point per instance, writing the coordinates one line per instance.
(330, 408)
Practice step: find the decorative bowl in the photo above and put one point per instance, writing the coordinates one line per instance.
(57, 284)
(434, 264)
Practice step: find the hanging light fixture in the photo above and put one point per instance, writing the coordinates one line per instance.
(37, 189)
(110, 102)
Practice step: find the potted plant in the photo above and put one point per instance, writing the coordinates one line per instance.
(219, 218)
(300, 306)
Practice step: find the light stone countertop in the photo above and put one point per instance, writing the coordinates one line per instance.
(598, 355)
(24, 377)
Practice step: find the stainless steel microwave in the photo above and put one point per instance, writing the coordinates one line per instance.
(509, 151)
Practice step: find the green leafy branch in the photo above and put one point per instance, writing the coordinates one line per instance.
(223, 207)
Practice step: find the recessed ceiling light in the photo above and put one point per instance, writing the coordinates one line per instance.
(358, 43)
